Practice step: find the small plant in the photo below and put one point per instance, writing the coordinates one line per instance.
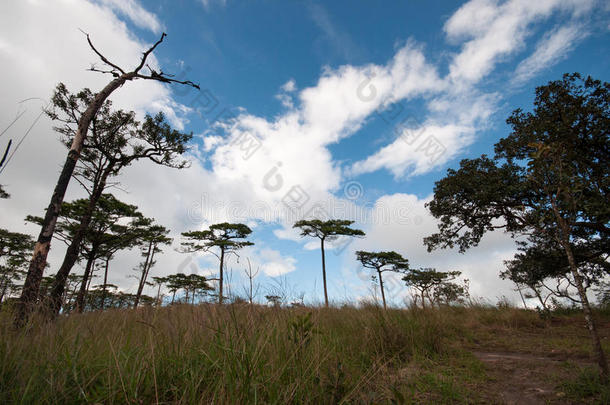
(301, 329)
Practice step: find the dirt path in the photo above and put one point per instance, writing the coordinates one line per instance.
(520, 378)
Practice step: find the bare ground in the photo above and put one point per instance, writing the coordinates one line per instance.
(524, 379)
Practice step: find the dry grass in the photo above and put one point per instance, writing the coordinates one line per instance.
(252, 354)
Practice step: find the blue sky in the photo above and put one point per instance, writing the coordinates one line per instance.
(362, 106)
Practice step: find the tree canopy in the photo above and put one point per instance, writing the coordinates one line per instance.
(224, 236)
(326, 230)
(381, 262)
(549, 180)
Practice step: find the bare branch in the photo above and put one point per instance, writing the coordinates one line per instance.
(148, 52)
(102, 57)
(165, 78)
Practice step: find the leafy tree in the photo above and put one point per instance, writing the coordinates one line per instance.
(159, 282)
(120, 76)
(542, 267)
(192, 285)
(112, 227)
(150, 239)
(275, 300)
(14, 254)
(225, 237)
(116, 140)
(326, 230)
(381, 262)
(427, 280)
(549, 178)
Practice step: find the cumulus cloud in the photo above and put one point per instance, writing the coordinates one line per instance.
(401, 221)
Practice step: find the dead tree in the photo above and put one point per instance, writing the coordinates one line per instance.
(29, 294)
(251, 275)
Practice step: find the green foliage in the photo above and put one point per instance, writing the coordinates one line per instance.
(434, 285)
(221, 235)
(301, 329)
(114, 225)
(116, 138)
(15, 251)
(327, 229)
(551, 168)
(380, 260)
(193, 285)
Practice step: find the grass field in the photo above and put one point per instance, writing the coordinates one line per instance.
(242, 354)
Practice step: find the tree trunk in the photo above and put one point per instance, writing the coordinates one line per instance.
(521, 295)
(324, 272)
(173, 296)
(71, 256)
(104, 289)
(381, 286)
(4, 288)
(222, 259)
(149, 256)
(31, 286)
(80, 298)
(600, 356)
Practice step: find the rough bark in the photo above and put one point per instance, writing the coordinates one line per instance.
(381, 287)
(324, 272)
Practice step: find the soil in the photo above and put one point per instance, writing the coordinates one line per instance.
(520, 378)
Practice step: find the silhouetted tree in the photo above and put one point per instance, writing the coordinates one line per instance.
(225, 237)
(116, 140)
(120, 76)
(381, 262)
(151, 238)
(109, 229)
(549, 177)
(326, 230)
(426, 280)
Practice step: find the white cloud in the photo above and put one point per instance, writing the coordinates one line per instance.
(289, 86)
(136, 13)
(274, 264)
(34, 57)
(400, 222)
(496, 31)
(417, 150)
(491, 30)
(552, 48)
(294, 146)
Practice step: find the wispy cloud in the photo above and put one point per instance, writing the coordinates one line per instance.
(339, 40)
(132, 9)
(552, 48)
